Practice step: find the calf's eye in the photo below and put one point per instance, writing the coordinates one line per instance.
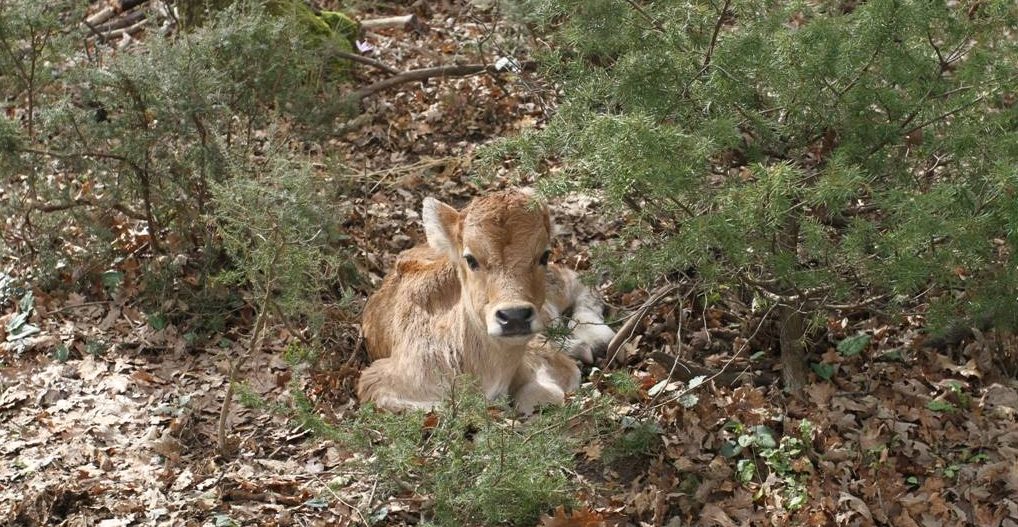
(544, 258)
(471, 262)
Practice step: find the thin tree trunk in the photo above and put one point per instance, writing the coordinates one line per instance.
(793, 322)
(793, 348)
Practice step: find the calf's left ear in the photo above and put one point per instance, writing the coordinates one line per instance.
(441, 225)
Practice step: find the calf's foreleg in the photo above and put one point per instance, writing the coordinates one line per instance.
(589, 335)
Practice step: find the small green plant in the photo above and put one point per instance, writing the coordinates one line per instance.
(61, 353)
(146, 139)
(853, 346)
(938, 405)
(477, 467)
(956, 390)
(96, 347)
(786, 458)
(622, 384)
(474, 465)
(637, 438)
(823, 370)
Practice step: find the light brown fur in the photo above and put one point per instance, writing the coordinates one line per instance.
(442, 311)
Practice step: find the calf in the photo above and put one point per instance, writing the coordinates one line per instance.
(471, 302)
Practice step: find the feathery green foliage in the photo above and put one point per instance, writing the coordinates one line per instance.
(477, 467)
(817, 152)
(285, 250)
(144, 138)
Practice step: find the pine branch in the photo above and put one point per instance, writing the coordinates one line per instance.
(945, 115)
(657, 25)
(714, 37)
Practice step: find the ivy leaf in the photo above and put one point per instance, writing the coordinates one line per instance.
(745, 469)
(823, 370)
(61, 353)
(937, 405)
(796, 501)
(27, 303)
(696, 381)
(853, 346)
(730, 449)
(112, 279)
(19, 328)
(764, 437)
(157, 321)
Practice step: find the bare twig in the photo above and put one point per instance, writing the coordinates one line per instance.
(454, 70)
(349, 505)
(675, 363)
(639, 9)
(945, 115)
(82, 202)
(724, 367)
(252, 347)
(714, 37)
(365, 60)
(857, 305)
(78, 306)
(629, 328)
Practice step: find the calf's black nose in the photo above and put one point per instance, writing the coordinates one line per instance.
(515, 320)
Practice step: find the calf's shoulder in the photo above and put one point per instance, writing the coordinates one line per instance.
(422, 285)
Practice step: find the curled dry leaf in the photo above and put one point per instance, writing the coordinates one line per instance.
(579, 518)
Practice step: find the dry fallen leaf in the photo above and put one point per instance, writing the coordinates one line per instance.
(579, 518)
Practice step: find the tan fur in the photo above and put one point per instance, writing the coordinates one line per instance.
(434, 317)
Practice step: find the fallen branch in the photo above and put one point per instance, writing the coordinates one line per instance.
(402, 22)
(455, 70)
(113, 8)
(365, 60)
(128, 20)
(129, 30)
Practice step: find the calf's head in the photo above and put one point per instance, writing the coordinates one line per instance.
(499, 244)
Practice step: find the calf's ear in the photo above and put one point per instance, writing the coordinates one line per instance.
(441, 225)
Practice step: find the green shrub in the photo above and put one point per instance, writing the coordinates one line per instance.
(815, 153)
(477, 468)
(126, 156)
(281, 232)
(472, 464)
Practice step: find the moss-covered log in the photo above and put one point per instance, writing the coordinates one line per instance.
(323, 28)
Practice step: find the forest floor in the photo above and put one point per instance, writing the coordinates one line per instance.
(122, 429)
